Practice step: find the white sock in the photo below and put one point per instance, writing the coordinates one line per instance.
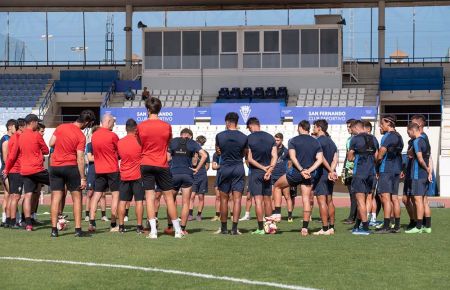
(152, 226)
(374, 217)
(33, 216)
(176, 225)
(3, 217)
(247, 213)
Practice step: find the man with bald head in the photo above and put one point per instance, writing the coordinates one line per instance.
(104, 145)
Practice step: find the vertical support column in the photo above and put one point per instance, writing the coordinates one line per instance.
(381, 31)
(128, 34)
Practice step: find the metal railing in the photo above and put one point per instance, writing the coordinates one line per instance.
(432, 119)
(107, 97)
(47, 101)
(391, 61)
(67, 63)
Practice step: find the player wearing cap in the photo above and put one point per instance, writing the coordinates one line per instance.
(200, 186)
(130, 153)
(104, 146)
(11, 127)
(67, 167)
(262, 157)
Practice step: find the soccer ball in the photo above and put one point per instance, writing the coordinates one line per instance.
(61, 225)
(270, 228)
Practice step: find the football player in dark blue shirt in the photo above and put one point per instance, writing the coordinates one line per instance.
(306, 156)
(182, 151)
(200, 186)
(262, 157)
(281, 167)
(325, 178)
(389, 161)
(363, 149)
(232, 145)
(11, 126)
(216, 166)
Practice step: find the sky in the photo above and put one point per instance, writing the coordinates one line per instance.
(432, 33)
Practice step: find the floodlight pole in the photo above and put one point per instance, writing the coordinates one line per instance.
(128, 34)
(46, 34)
(381, 31)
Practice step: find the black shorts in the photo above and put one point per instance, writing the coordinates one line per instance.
(294, 178)
(388, 183)
(107, 180)
(153, 176)
(30, 182)
(90, 177)
(232, 179)
(130, 188)
(257, 184)
(407, 186)
(62, 176)
(323, 186)
(200, 185)
(15, 183)
(363, 184)
(419, 187)
(182, 181)
(293, 191)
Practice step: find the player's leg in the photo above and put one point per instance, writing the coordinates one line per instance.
(186, 198)
(387, 207)
(224, 197)
(125, 195)
(127, 209)
(191, 204)
(331, 213)
(200, 206)
(369, 202)
(5, 202)
(217, 204)
(281, 184)
(323, 210)
(93, 210)
(259, 211)
(237, 199)
(29, 187)
(362, 213)
(397, 212)
(102, 203)
(289, 204)
(138, 192)
(89, 194)
(418, 203)
(426, 216)
(306, 199)
(248, 206)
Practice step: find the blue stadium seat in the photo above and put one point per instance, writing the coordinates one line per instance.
(235, 93)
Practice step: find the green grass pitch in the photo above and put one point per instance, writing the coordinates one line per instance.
(342, 261)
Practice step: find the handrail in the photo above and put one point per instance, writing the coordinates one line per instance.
(409, 115)
(107, 97)
(400, 61)
(47, 100)
(44, 63)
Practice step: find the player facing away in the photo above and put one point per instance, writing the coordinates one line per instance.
(306, 155)
(130, 153)
(67, 167)
(216, 166)
(182, 151)
(104, 146)
(362, 151)
(11, 127)
(389, 161)
(232, 146)
(154, 136)
(262, 157)
(325, 178)
(421, 177)
(200, 186)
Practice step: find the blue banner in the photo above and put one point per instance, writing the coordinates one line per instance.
(173, 116)
(333, 115)
(202, 112)
(267, 113)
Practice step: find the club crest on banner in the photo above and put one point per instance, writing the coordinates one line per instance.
(245, 112)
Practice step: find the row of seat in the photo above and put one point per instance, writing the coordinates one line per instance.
(21, 93)
(330, 91)
(330, 103)
(19, 98)
(174, 92)
(25, 76)
(170, 104)
(179, 98)
(18, 103)
(331, 97)
(14, 82)
(258, 93)
(14, 109)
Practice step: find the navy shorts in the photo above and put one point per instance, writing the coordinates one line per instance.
(232, 178)
(363, 184)
(200, 185)
(90, 176)
(407, 187)
(275, 178)
(130, 188)
(295, 178)
(419, 187)
(257, 184)
(182, 181)
(323, 186)
(388, 183)
(216, 181)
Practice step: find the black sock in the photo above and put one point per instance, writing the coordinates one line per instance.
(183, 228)
(191, 211)
(156, 214)
(54, 230)
(412, 222)
(77, 230)
(305, 224)
(22, 216)
(397, 223)
(199, 213)
(325, 228)
(365, 226)
(139, 227)
(170, 225)
(387, 222)
(357, 224)
(8, 221)
(289, 214)
(278, 210)
(103, 213)
(234, 228)
(86, 213)
(12, 222)
(126, 211)
(113, 225)
(28, 221)
(223, 226)
(428, 222)
(260, 225)
(419, 224)
(92, 223)
(122, 227)
(217, 213)
(331, 226)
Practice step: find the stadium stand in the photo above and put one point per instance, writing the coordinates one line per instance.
(248, 95)
(416, 78)
(171, 98)
(86, 81)
(329, 97)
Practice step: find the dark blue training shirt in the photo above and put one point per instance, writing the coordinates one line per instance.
(420, 145)
(306, 149)
(261, 144)
(364, 163)
(3, 140)
(182, 155)
(202, 170)
(232, 144)
(89, 150)
(329, 148)
(392, 160)
(282, 162)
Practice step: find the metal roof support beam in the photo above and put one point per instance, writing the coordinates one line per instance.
(128, 34)
(381, 31)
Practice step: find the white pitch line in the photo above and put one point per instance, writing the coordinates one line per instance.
(166, 271)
